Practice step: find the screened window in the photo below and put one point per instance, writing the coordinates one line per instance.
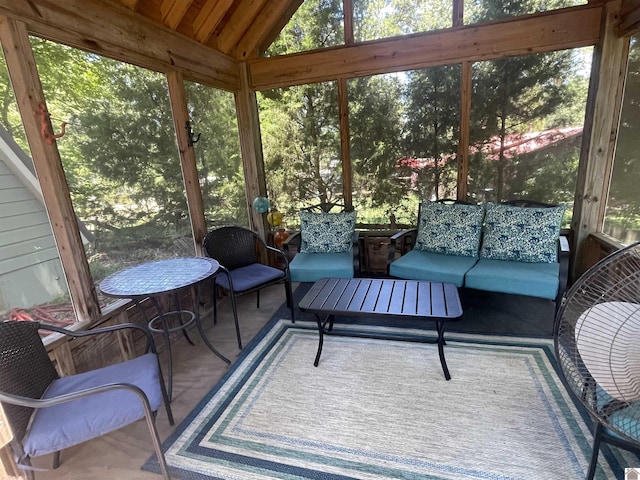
(119, 155)
(622, 219)
(301, 145)
(527, 115)
(213, 118)
(32, 282)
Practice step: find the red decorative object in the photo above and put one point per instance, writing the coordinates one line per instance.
(280, 237)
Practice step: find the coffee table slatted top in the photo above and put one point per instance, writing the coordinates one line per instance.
(407, 298)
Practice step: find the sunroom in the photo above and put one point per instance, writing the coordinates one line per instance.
(131, 128)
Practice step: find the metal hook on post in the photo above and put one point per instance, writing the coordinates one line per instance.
(190, 136)
(45, 128)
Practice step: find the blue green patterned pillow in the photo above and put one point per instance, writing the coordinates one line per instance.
(451, 229)
(327, 232)
(521, 234)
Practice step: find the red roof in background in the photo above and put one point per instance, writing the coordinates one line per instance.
(514, 144)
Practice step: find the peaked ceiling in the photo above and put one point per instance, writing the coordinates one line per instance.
(240, 28)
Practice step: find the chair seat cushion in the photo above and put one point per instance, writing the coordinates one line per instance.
(311, 267)
(61, 426)
(431, 266)
(520, 278)
(250, 276)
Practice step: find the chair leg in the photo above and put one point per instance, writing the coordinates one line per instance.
(289, 296)
(597, 435)
(215, 302)
(155, 439)
(56, 460)
(235, 317)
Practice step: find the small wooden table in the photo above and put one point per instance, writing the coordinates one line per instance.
(431, 301)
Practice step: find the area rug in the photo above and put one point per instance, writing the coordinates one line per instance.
(381, 409)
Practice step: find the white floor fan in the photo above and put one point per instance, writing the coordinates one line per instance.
(597, 343)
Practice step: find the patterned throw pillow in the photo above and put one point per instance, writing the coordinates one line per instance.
(327, 232)
(521, 234)
(451, 229)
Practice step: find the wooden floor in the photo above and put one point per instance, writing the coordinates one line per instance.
(119, 455)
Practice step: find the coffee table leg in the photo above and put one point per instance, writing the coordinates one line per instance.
(320, 339)
(440, 328)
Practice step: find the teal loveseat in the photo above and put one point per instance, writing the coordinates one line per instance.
(328, 247)
(514, 248)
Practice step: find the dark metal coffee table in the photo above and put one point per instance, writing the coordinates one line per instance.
(431, 301)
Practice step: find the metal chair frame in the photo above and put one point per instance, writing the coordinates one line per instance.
(21, 393)
(234, 247)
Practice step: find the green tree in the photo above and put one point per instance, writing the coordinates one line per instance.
(432, 129)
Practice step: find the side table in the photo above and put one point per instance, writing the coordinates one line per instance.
(154, 279)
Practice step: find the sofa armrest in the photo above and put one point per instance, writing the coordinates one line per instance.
(355, 241)
(400, 239)
(564, 253)
(288, 245)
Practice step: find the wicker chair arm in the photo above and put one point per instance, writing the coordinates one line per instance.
(412, 233)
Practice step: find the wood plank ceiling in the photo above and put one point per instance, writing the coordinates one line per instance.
(242, 29)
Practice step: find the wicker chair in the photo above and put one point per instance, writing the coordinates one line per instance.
(241, 269)
(48, 413)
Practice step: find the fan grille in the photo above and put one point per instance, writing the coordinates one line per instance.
(597, 341)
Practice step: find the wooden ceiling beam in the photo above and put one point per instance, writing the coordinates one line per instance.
(130, 4)
(173, 11)
(566, 28)
(241, 19)
(269, 38)
(630, 20)
(208, 19)
(116, 32)
(269, 17)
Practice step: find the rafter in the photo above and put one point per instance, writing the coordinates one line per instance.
(209, 18)
(116, 32)
(569, 28)
(237, 25)
(630, 20)
(130, 4)
(173, 11)
(271, 15)
(277, 27)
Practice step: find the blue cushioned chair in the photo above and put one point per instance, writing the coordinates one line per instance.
(242, 255)
(48, 413)
(328, 247)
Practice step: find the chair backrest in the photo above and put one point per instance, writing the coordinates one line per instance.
(25, 369)
(233, 247)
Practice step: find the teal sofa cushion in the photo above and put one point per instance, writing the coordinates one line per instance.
(430, 266)
(310, 267)
(326, 232)
(521, 278)
(522, 234)
(450, 229)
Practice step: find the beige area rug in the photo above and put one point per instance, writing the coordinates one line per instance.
(381, 409)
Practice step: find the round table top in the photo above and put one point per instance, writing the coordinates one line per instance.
(161, 276)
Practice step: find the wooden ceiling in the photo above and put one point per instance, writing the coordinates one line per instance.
(242, 29)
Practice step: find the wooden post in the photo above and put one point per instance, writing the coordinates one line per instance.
(251, 149)
(463, 136)
(600, 132)
(345, 148)
(343, 114)
(187, 158)
(46, 159)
